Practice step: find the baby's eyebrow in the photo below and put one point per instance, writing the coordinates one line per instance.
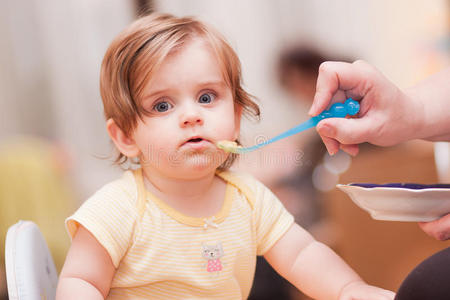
(156, 93)
(218, 83)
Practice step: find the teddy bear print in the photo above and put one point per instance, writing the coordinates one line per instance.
(212, 254)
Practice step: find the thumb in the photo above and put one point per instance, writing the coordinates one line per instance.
(346, 131)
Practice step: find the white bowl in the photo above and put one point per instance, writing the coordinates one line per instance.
(400, 201)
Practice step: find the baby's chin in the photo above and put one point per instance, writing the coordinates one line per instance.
(186, 164)
(204, 161)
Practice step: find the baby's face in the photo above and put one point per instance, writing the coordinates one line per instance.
(190, 108)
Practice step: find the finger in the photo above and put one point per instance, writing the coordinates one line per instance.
(331, 144)
(333, 76)
(346, 131)
(439, 229)
(351, 149)
(389, 294)
(338, 97)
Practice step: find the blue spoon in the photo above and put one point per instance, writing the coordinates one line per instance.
(337, 110)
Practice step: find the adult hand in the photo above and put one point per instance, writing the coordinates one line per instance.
(387, 116)
(439, 229)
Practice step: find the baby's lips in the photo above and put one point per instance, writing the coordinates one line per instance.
(194, 139)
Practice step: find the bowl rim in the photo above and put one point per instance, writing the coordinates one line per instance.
(411, 187)
(364, 198)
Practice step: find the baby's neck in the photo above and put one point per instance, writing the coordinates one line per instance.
(199, 197)
(178, 187)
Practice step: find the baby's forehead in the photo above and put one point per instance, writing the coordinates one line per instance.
(194, 64)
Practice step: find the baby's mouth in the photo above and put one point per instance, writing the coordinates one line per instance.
(196, 142)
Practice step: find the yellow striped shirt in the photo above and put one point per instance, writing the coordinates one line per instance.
(159, 253)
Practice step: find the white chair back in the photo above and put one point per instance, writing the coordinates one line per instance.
(30, 270)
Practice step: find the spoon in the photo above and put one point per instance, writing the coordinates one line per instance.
(337, 110)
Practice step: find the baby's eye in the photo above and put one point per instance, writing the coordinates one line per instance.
(206, 98)
(162, 106)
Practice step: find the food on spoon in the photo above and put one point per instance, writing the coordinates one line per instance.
(228, 146)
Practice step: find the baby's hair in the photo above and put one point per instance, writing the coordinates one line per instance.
(137, 52)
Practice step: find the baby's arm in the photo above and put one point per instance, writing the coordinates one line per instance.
(316, 270)
(88, 269)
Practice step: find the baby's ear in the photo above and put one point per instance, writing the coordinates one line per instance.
(124, 144)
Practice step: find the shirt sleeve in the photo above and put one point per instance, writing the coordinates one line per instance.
(110, 215)
(272, 219)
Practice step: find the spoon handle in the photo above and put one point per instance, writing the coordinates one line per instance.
(337, 110)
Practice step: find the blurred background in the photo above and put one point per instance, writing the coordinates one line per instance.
(54, 146)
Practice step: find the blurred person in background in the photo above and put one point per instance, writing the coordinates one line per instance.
(34, 186)
(389, 116)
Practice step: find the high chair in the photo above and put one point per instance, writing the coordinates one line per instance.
(30, 270)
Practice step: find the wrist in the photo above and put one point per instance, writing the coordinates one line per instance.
(417, 115)
(430, 98)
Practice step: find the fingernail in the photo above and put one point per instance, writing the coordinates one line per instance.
(442, 236)
(330, 150)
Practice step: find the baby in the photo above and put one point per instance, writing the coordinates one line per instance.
(181, 226)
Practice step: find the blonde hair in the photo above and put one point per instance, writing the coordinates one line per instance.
(140, 49)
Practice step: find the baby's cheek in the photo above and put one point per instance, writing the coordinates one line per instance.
(227, 131)
(157, 153)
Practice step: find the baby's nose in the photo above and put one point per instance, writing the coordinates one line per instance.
(191, 116)
(192, 120)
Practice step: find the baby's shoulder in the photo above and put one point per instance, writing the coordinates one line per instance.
(122, 191)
